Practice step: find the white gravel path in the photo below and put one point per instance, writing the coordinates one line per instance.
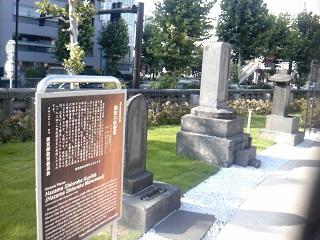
(223, 193)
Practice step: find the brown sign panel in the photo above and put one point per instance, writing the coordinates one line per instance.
(81, 151)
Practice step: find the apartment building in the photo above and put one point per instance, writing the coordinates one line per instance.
(35, 43)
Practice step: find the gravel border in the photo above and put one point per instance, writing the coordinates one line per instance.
(223, 193)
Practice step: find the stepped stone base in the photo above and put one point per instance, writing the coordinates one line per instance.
(214, 127)
(211, 149)
(283, 137)
(142, 215)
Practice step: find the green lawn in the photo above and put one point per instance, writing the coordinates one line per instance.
(17, 181)
(257, 123)
(167, 166)
(17, 191)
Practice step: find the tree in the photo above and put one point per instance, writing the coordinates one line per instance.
(244, 24)
(147, 58)
(77, 13)
(114, 40)
(86, 32)
(283, 38)
(308, 47)
(179, 26)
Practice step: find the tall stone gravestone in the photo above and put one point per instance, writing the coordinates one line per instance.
(212, 132)
(280, 127)
(145, 202)
(136, 177)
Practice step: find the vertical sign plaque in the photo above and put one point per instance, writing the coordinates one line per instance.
(79, 161)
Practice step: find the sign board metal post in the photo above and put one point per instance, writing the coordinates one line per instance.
(79, 158)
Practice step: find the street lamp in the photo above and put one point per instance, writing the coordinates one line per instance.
(16, 46)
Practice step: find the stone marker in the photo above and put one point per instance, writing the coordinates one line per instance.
(144, 203)
(280, 127)
(212, 132)
(136, 177)
(214, 82)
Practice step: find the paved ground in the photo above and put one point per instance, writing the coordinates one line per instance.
(269, 203)
(277, 208)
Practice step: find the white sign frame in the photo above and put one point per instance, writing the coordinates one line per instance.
(42, 94)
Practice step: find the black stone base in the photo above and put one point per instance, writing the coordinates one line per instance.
(142, 215)
(137, 183)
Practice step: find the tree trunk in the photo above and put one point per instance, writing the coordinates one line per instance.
(73, 27)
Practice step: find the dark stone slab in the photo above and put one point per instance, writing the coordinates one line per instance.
(255, 163)
(244, 156)
(136, 177)
(143, 215)
(136, 183)
(211, 126)
(183, 225)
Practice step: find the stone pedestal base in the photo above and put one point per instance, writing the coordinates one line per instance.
(284, 130)
(142, 215)
(138, 182)
(211, 149)
(214, 127)
(280, 123)
(282, 137)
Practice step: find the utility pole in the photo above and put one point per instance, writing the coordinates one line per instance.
(16, 46)
(138, 46)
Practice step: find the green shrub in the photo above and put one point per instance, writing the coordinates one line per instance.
(19, 126)
(297, 105)
(166, 113)
(32, 72)
(242, 106)
(165, 81)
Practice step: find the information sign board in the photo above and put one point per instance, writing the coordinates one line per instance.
(79, 161)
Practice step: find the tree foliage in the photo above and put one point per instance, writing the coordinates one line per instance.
(281, 37)
(147, 57)
(308, 47)
(114, 40)
(86, 32)
(244, 24)
(177, 29)
(75, 22)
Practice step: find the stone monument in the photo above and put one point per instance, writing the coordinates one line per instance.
(213, 132)
(280, 127)
(145, 202)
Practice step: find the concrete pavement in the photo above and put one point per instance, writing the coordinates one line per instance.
(277, 208)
